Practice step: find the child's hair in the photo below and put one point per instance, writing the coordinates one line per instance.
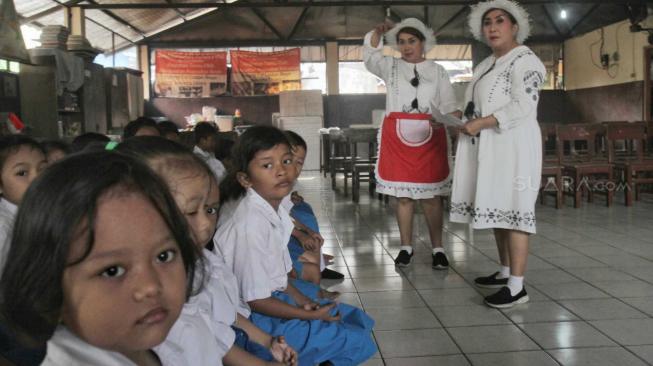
(166, 127)
(89, 141)
(253, 140)
(165, 157)
(52, 145)
(295, 139)
(132, 127)
(9, 144)
(60, 207)
(204, 130)
(223, 149)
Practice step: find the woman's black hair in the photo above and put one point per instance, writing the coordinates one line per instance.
(9, 144)
(204, 130)
(253, 140)
(295, 139)
(60, 207)
(412, 31)
(52, 145)
(510, 16)
(132, 127)
(163, 155)
(166, 127)
(90, 141)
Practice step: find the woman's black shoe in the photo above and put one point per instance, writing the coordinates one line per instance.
(329, 274)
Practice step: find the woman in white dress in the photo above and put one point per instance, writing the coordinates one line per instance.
(498, 160)
(413, 157)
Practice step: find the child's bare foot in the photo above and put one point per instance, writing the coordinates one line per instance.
(328, 295)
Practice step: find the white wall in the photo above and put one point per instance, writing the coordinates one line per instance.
(582, 60)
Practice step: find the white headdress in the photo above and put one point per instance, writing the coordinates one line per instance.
(475, 21)
(429, 37)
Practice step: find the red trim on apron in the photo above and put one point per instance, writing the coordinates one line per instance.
(411, 151)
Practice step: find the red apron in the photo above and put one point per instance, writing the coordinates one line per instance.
(411, 151)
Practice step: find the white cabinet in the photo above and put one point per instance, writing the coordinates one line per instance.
(308, 128)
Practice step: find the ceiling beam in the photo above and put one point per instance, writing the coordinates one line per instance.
(336, 3)
(118, 19)
(297, 23)
(182, 15)
(582, 19)
(267, 23)
(24, 20)
(550, 18)
(49, 11)
(308, 42)
(451, 20)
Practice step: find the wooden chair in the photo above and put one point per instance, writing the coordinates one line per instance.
(325, 153)
(361, 169)
(588, 167)
(338, 155)
(632, 163)
(551, 182)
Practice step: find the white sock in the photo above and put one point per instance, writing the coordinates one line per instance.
(438, 250)
(504, 272)
(515, 284)
(408, 248)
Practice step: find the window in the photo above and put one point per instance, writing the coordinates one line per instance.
(125, 58)
(355, 79)
(459, 71)
(314, 76)
(11, 66)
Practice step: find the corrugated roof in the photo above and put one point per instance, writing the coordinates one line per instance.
(260, 24)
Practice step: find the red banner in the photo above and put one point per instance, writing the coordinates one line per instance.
(190, 74)
(261, 73)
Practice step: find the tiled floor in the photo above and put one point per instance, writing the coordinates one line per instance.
(590, 280)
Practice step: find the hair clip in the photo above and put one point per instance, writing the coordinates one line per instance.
(110, 145)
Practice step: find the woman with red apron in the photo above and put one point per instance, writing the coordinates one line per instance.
(413, 154)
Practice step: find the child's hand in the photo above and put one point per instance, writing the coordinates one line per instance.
(282, 352)
(324, 313)
(317, 238)
(311, 306)
(296, 198)
(308, 242)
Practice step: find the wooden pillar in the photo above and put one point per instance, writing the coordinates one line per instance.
(332, 68)
(144, 66)
(75, 20)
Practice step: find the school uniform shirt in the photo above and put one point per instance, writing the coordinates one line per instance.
(216, 165)
(497, 175)
(7, 216)
(253, 241)
(66, 349)
(203, 330)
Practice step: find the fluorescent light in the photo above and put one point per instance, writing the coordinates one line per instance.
(563, 14)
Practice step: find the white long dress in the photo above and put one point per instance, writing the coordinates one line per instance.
(497, 175)
(434, 90)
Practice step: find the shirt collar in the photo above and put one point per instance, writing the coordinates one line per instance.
(197, 150)
(8, 206)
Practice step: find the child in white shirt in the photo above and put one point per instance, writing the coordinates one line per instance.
(206, 138)
(204, 329)
(101, 262)
(21, 160)
(253, 235)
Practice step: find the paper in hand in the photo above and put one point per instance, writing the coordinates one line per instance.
(446, 119)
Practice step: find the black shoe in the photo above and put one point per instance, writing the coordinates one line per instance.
(503, 299)
(440, 261)
(491, 281)
(329, 274)
(403, 259)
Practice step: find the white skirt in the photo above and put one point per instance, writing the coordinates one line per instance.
(496, 180)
